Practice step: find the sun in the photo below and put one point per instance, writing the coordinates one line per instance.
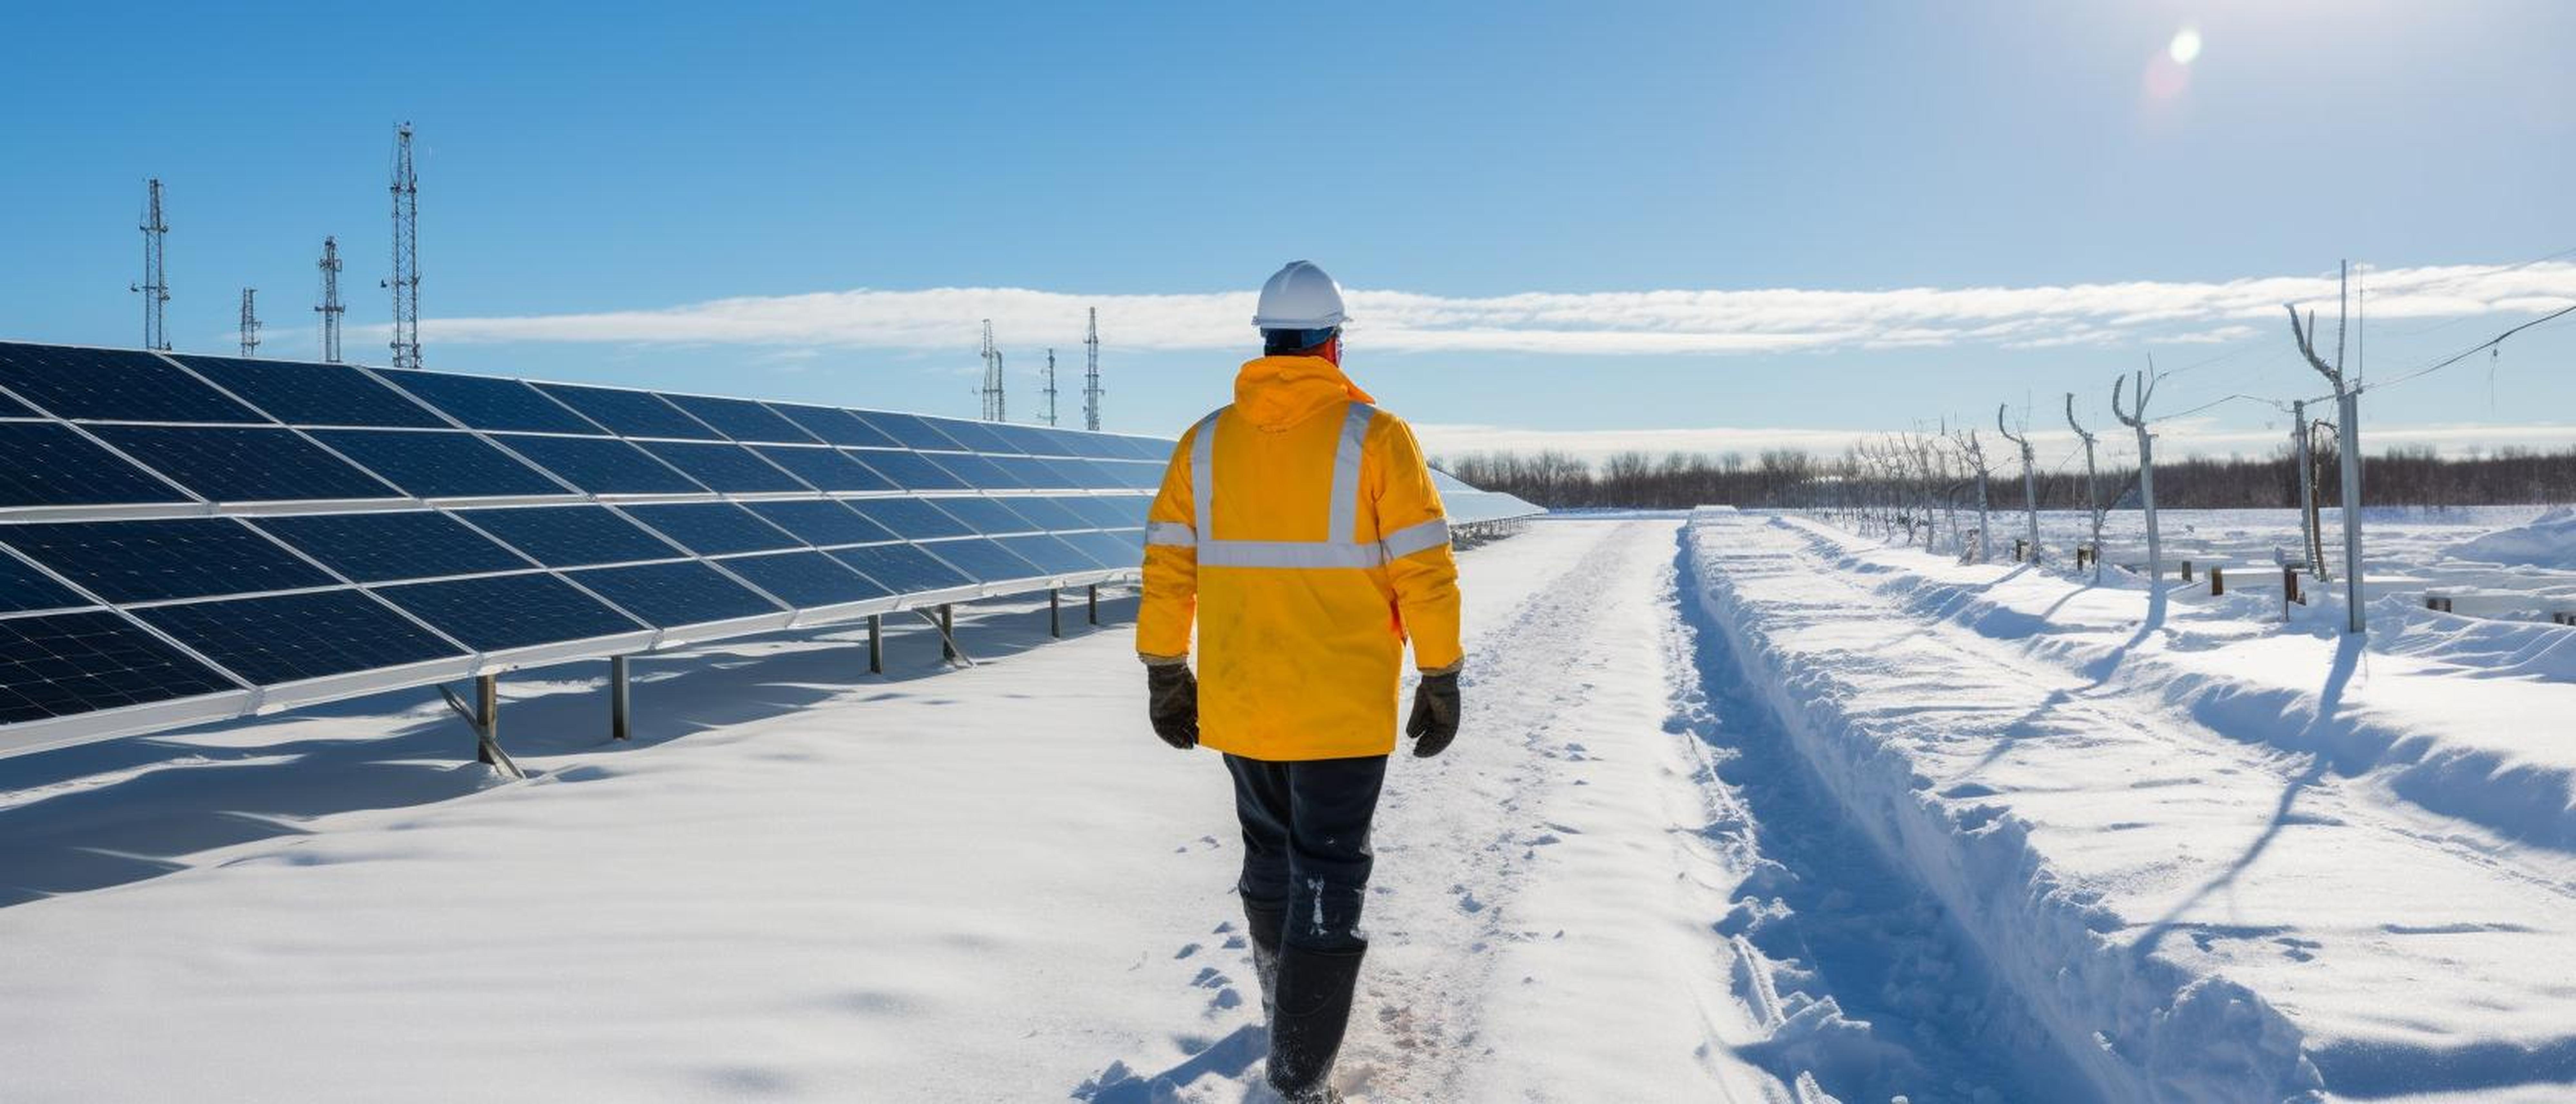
(2185, 45)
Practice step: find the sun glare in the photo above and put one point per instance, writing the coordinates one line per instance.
(2185, 46)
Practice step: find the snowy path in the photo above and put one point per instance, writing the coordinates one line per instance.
(2195, 912)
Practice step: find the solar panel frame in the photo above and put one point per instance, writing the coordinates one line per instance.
(245, 463)
(572, 535)
(912, 519)
(309, 394)
(824, 468)
(983, 560)
(974, 436)
(48, 464)
(386, 546)
(742, 420)
(908, 470)
(835, 425)
(164, 559)
(491, 403)
(712, 528)
(680, 594)
(630, 413)
(806, 580)
(1052, 556)
(913, 431)
(27, 588)
(599, 465)
(276, 639)
(725, 468)
(115, 385)
(905, 569)
(439, 463)
(987, 517)
(510, 613)
(820, 522)
(84, 662)
(12, 408)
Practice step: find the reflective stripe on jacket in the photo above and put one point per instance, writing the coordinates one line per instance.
(1300, 529)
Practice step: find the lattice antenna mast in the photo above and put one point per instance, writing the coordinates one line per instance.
(2347, 443)
(992, 390)
(1050, 387)
(154, 288)
(2029, 477)
(249, 323)
(406, 279)
(2092, 484)
(1091, 375)
(330, 308)
(2137, 420)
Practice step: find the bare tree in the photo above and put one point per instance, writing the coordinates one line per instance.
(2092, 484)
(2029, 479)
(2146, 471)
(2348, 447)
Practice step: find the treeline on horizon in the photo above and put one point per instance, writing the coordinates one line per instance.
(1796, 478)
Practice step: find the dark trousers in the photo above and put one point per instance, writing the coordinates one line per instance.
(1306, 843)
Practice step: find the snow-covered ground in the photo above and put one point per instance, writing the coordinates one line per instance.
(1745, 809)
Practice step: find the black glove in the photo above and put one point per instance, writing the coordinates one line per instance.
(1435, 715)
(1172, 700)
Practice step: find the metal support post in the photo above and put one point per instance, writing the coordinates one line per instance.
(876, 644)
(2217, 581)
(621, 724)
(484, 716)
(1092, 599)
(1055, 619)
(947, 631)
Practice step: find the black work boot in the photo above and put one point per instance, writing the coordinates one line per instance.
(1263, 926)
(1314, 1007)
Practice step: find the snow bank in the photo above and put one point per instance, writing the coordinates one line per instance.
(2547, 541)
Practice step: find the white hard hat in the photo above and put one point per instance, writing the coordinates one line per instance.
(1299, 297)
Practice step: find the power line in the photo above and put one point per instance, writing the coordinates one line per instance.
(2473, 350)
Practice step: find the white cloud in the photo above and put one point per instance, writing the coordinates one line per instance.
(1703, 322)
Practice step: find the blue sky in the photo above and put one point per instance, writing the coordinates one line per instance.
(1865, 212)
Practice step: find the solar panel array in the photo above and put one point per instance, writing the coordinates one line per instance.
(186, 538)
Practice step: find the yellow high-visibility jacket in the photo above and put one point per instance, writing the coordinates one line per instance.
(1300, 527)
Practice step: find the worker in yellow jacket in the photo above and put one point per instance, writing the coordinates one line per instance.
(1300, 528)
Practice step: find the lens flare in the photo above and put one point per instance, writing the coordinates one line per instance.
(2185, 46)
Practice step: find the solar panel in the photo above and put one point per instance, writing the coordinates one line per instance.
(910, 471)
(438, 464)
(669, 595)
(23, 588)
(113, 385)
(396, 544)
(820, 523)
(150, 561)
(243, 464)
(975, 436)
(980, 472)
(259, 593)
(714, 528)
(1111, 549)
(909, 518)
(835, 425)
(1049, 513)
(986, 561)
(60, 664)
(600, 466)
(500, 612)
(914, 433)
(43, 464)
(314, 394)
(805, 579)
(571, 536)
(732, 469)
(986, 516)
(902, 568)
(490, 402)
(1052, 556)
(293, 637)
(631, 413)
(743, 419)
(826, 469)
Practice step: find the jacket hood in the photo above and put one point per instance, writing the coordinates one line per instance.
(1276, 392)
